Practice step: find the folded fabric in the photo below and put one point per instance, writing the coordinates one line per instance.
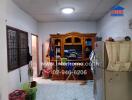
(131, 54)
(124, 51)
(113, 67)
(113, 54)
(123, 66)
(119, 55)
(119, 66)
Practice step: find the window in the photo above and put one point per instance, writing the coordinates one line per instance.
(12, 45)
(23, 48)
(17, 48)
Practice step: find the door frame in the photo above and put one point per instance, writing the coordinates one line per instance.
(37, 43)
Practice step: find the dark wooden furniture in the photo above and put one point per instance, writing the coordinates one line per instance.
(83, 44)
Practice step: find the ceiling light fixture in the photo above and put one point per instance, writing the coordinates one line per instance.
(67, 10)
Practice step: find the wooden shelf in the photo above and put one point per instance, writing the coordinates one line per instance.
(72, 40)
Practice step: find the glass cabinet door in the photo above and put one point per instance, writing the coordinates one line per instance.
(77, 40)
(68, 40)
(57, 42)
(88, 47)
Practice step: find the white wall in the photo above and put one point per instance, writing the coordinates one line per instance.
(63, 27)
(3, 53)
(116, 27)
(19, 19)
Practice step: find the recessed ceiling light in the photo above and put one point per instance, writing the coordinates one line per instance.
(67, 10)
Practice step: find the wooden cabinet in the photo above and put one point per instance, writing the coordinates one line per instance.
(78, 43)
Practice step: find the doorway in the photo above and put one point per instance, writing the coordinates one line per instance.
(35, 55)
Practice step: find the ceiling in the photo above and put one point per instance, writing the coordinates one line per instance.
(49, 10)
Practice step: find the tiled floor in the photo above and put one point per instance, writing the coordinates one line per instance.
(64, 90)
